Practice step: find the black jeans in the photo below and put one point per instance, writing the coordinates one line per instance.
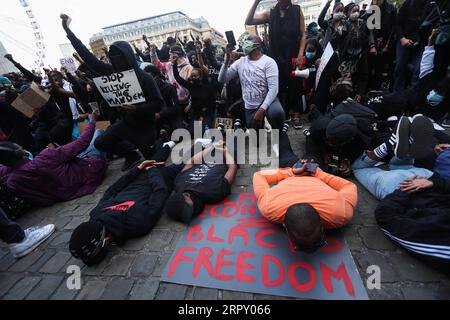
(121, 139)
(10, 232)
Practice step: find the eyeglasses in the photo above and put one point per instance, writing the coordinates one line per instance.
(309, 249)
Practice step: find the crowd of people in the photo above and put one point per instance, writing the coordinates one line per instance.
(378, 109)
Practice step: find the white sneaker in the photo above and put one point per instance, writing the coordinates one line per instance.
(206, 143)
(33, 238)
(267, 126)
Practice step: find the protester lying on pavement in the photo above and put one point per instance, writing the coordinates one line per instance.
(305, 200)
(200, 183)
(55, 175)
(130, 208)
(22, 242)
(417, 216)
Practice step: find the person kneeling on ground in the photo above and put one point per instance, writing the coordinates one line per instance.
(306, 203)
(200, 184)
(129, 209)
(22, 242)
(55, 175)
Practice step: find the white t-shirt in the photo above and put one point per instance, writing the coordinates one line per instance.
(259, 80)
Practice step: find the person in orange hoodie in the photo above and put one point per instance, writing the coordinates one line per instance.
(305, 203)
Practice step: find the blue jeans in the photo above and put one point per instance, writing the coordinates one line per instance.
(381, 183)
(92, 151)
(405, 57)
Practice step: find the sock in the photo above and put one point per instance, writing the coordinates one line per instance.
(381, 151)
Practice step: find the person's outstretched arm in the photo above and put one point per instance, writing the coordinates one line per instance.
(89, 58)
(27, 73)
(258, 19)
(321, 21)
(182, 82)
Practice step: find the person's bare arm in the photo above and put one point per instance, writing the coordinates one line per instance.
(302, 40)
(230, 176)
(260, 18)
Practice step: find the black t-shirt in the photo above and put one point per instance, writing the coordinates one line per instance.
(205, 181)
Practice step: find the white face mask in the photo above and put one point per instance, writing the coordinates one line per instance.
(354, 16)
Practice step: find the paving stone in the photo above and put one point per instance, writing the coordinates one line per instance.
(420, 292)
(56, 263)
(7, 281)
(411, 269)
(171, 291)
(388, 272)
(119, 266)
(61, 222)
(234, 295)
(143, 265)
(144, 289)
(161, 265)
(7, 261)
(205, 294)
(92, 290)
(45, 288)
(35, 267)
(375, 239)
(443, 293)
(63, 293)
(387, 292)
(98, 269)
(61, 240)
(26, 262)
(75, 222)
(3, 253)
(134, 244)
(117, 289)
(159, 240)
(22, 288)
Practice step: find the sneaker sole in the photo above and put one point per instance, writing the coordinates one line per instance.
(28, 251)
(403, 133)
(422, 133)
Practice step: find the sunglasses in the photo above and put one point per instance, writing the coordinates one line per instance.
(309, 249)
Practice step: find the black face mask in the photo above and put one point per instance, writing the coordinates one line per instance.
(118, 62)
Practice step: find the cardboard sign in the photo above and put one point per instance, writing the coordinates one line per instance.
(120, 88)
(231, 246)
(326, 57)
(31, 101)
(99, 125)
(227, 122)
(69, 64)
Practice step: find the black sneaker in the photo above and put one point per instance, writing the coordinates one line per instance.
(400, 139)
(237, 124)
(422, 130)
(446, 123)
(131, 161)
(297, 124)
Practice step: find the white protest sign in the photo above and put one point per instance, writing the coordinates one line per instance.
(69, 64)
(326, 57)
(120, 88)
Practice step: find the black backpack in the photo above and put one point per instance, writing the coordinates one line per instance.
(13, 205)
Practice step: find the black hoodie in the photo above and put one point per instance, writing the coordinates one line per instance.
(145, 112)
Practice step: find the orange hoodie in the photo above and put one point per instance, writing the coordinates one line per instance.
(333, 198)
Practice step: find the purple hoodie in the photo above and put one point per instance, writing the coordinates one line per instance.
(57, 175)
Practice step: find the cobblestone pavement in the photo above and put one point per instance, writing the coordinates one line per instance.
(133, 271)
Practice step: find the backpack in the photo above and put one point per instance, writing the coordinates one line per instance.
(13, 205)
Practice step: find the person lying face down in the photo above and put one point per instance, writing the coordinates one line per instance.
(305, 200)
(130, 208)
(201, 183)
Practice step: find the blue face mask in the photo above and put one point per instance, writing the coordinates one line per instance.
(314, 30)
(29, 155)
(310, 55)
(434, 98)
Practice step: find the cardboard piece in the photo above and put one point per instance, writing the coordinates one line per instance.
(31, 101)
(324, 60)
(99, 125)
(228, 122)
(120, 88)
(69, 64)
(231, 246)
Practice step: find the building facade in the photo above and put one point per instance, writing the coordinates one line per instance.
(5, 65)
(157, 29)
